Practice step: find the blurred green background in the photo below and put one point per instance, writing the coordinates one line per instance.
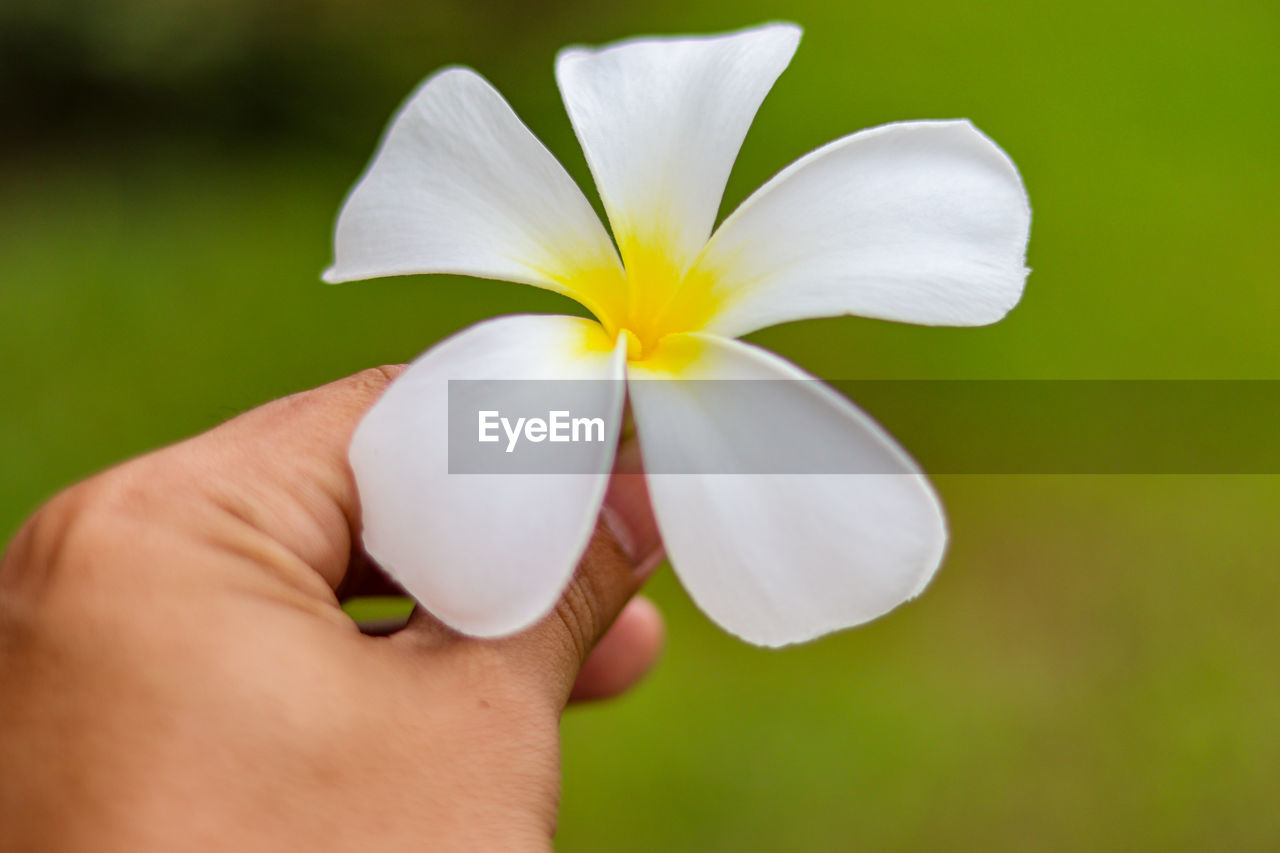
(1097, 665)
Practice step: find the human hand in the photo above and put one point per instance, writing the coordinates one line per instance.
(176, 673)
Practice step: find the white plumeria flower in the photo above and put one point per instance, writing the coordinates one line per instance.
(919, 222)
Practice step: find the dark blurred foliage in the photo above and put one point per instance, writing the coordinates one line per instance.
(237, 68)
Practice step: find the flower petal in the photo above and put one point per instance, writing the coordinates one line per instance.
(488, 554)
(661, 121)
(921, 222)
(460, 185)
(779, 558)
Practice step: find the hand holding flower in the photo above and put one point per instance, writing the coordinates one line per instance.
(176, 674)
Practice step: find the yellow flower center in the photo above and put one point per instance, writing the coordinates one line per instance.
(648, 301)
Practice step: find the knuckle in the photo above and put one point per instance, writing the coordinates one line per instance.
(75, 524)
(595, 594)
(578, 612)
(40, 543)
(68, 517)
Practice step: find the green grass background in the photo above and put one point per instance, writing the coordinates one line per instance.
(1096, 666)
